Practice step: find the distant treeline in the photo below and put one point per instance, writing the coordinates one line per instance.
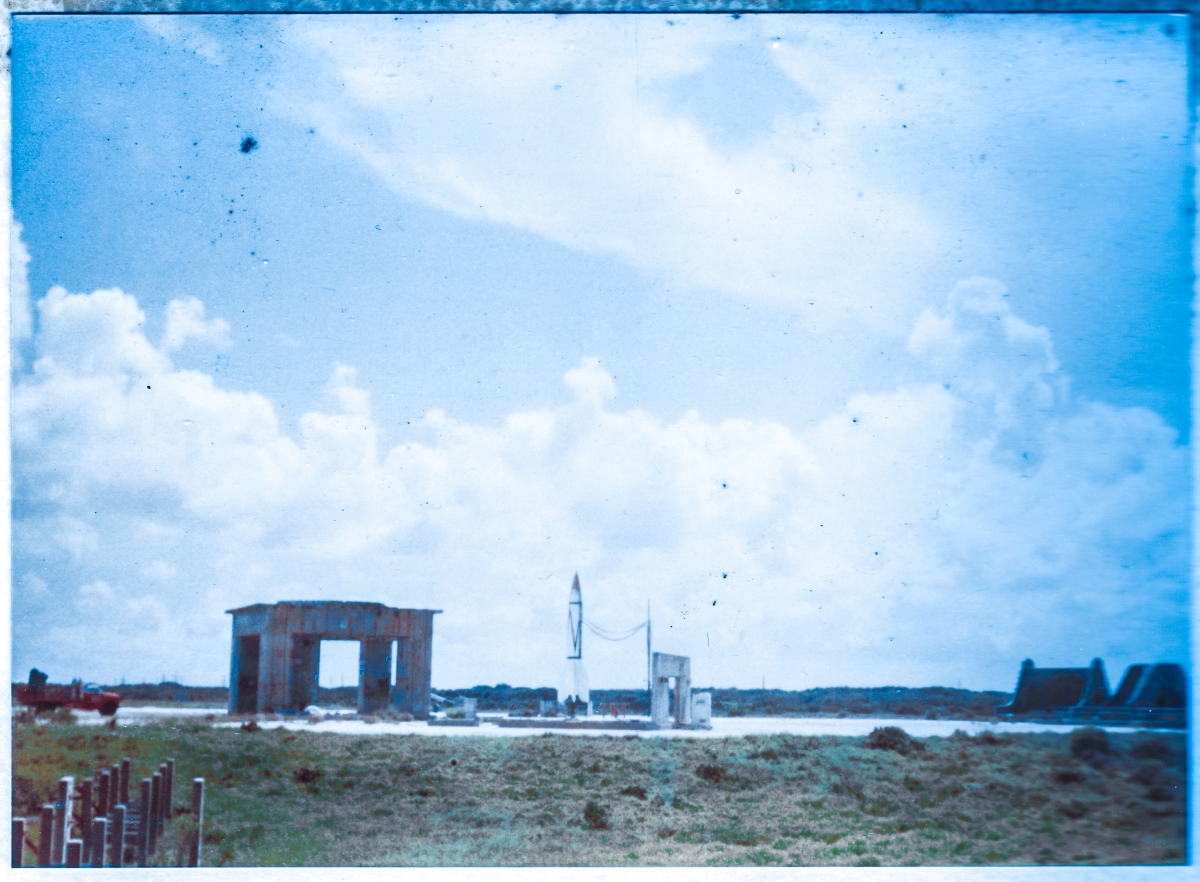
(930, 702)
(151, 693)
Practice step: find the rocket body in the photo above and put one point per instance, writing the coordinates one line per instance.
(573, 682)
(575, 619)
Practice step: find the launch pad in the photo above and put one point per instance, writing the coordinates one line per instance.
(571, 723)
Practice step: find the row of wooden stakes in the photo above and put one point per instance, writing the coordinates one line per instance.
(107, 821)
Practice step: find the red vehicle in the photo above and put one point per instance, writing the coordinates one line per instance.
(41, 696)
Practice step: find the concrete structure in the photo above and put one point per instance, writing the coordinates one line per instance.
(664, 669)
(276, 653)
(1151, 695)
(702, 709)
(1043, 689)
(1152, 686)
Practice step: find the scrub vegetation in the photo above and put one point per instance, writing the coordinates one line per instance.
(280, 798)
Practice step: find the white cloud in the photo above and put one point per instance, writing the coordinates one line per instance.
(185, 322)
(933, 533)
(94, 335)
(31, 584)
(96, 592)
(180, 31)
(20, 311)
(591, 384)
(76, 536)
(875, 163)
(1002, 368)
(559, 127)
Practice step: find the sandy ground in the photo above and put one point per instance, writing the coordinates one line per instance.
(722, 727)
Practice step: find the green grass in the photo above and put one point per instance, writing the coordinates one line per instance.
(276, 798)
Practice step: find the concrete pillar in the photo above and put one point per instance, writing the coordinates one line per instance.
(414, 664)
(660, 702)
(170, 779)
(374, 675)
(114, 784)
(99, 835)
(305, 670)
(400, 697)
(18, 843)
(244, 673)
(164, 809)
(105, 804)
(126, 771)
(143, 829)
(702, 709)
(153, 817)
(118, 837)
(235, 670)
(85, 815)
(274, 653)
(683, 694)
(46, 836)
(198, 820)
(62, 820)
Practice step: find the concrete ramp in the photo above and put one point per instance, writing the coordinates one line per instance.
(1151, 695)
(1042, 690)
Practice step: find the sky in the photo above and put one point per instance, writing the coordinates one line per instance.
(856, 346)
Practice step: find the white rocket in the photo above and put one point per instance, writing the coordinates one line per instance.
(574, 682)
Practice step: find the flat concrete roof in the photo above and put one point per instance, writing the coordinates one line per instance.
(359, 604)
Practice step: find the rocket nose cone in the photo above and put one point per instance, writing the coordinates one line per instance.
(575, 593)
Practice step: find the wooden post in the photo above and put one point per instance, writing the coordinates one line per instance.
(198, 819)
(164, 804)
(155, 812)
(106, 803)
(114, 788)
(74, 853)
(98, 838)
(62, 820)
(46, 835)
(85, 818)
(18, 843)
(123, 793)
(143, 828)
(170, 787)
(118, 837)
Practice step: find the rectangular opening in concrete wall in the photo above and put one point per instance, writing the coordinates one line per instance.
(339, 665)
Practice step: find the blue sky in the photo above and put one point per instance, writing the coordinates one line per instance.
(492, 299)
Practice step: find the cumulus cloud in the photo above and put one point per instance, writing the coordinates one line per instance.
(186, 322)
(94, 335)
(934, 533)
(590, 384)
(1002, 367)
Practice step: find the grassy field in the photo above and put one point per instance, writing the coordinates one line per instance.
(278, 798)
